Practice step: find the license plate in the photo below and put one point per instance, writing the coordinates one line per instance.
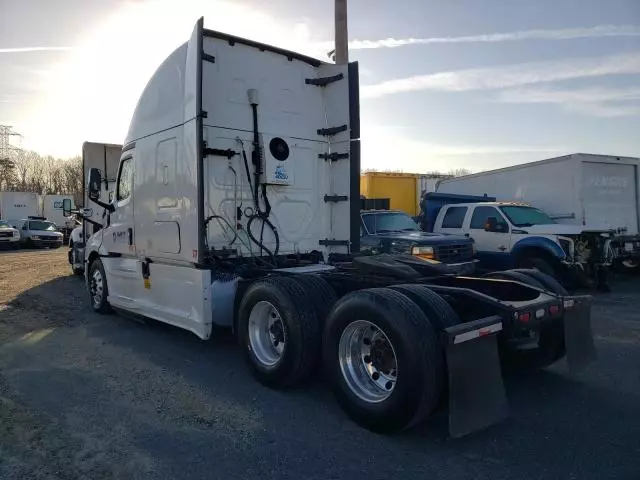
(628, 247)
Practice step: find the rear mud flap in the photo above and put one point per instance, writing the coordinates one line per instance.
(578, 338)
(477, 397)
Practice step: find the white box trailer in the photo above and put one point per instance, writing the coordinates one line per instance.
(19, 205)
(105, 157)
(581, 189)
(52, 210)
(237, 205)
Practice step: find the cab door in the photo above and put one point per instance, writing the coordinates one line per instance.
(121, 263)
(493, 246)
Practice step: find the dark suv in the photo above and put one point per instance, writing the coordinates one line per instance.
(393, 231)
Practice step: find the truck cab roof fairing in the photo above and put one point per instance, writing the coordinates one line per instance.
(159, 108)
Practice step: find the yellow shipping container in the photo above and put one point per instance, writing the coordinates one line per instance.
(403, 189)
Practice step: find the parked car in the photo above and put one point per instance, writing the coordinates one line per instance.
(393, 231)
(9, 236)
(39, 232)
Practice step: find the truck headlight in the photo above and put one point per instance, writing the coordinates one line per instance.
(423, 252)
(16, 234)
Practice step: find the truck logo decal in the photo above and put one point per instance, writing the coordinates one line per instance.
(118, 236)
(280, 173)
(57, 204)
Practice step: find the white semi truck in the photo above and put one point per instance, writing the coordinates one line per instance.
(235, 194)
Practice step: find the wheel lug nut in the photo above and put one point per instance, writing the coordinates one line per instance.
(375, 375)
(366, 341)
(367, 359)
(388, 385)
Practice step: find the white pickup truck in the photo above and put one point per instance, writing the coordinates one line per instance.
(516, 235)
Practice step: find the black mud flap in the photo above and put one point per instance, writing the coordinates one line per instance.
(578, 338)
(477, 396)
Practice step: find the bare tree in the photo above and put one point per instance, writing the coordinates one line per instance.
(30, 172)
(7, 173)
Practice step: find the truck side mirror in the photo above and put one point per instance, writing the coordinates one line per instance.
(491, 224)
(94, 181)
(110, 196)
(66, 207)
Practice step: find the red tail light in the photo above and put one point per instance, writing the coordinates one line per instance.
(524, 317)
(554, 309)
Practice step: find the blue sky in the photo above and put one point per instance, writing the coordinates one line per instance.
(445, 84)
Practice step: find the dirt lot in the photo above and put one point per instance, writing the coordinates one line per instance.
(87, 396)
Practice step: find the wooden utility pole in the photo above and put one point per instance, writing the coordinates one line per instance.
(341, 32)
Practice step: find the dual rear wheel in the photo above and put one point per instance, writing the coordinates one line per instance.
(378, 347)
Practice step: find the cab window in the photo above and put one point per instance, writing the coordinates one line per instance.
(454, 217)
(480, 216)
(125, 179)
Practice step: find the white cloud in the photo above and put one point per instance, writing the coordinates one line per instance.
(593, 101)
(561, 34)
(509, 75)
(92, 92)
(384, 148)
(580, 95)
(35, 49)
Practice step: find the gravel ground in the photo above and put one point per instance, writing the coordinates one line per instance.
(84, 396)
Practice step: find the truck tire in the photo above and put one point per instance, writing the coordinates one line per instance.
(383, 359)
(437, 310)
(279, 331)
(516, 276)
(551, 342)
(322, 294)
(76, 271)
(547, 281)
(98, 288)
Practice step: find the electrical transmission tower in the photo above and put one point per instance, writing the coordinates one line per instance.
(7, 155)
(6, 148)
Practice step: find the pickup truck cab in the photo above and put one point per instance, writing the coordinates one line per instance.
(512, 234)
(393, 231)
(9, 236)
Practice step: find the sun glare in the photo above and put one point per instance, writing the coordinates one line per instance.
(91, 95)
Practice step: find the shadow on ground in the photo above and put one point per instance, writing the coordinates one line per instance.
(110, 397)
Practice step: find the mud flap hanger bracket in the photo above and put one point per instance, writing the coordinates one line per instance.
(477, 398)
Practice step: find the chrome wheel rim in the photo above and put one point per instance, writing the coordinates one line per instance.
(368, 361)
(267, 334)
(97, 287)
